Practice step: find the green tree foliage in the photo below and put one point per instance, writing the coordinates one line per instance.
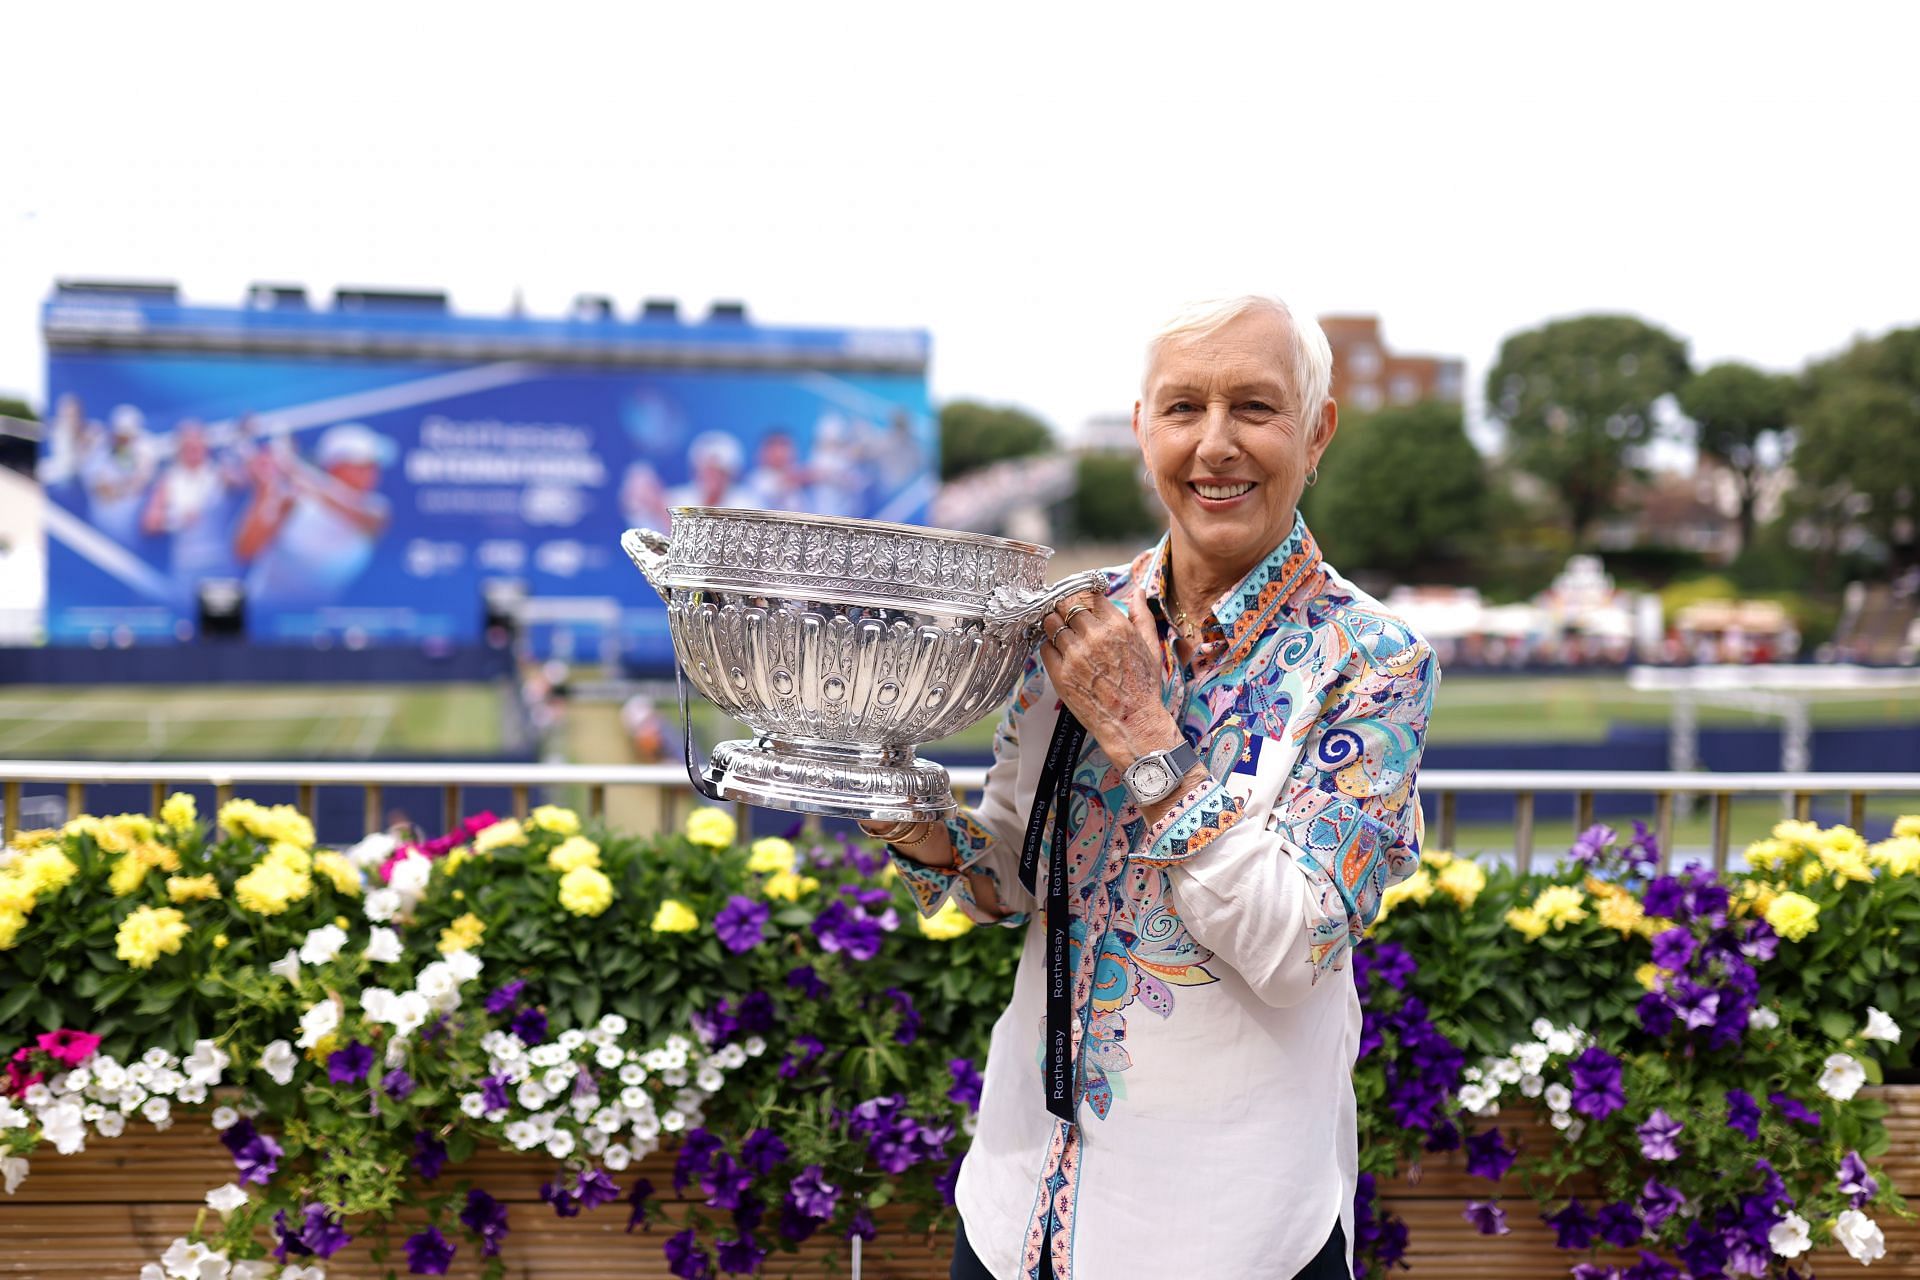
(1857, 454)
(1576, 396)
(1108, 504)
(972, 435)
(12, 408)
(1399, 489)
(1740, 417)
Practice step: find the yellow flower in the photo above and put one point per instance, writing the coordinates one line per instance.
(338, 870)
(585, 892)
(127, 829)
(27, 841)
(1765, 855)
(1754, 898)
(325, 1045)
(179, 811)
(46, 869)
(500, 835)
(1463, 879)
(1650, 925)
(1793, 917)
(148, 934)
(770, 853)
(574, 851)
(711, 827)
(270, 888)
(1648, 976)
(291, 856)
(219, 942)
(130, 868)
(946, 923)
(11, 923)
(456, 858)
(1438, 859)
(1619, 911)
(788, 887)
(1900, 855)
(192, 888)
(465, 933)
(1560, 905)
(674, 916)
(281, 824)
(341, 922)
(1527, 921)
(1907, 825)
(551, 817)
(15, 893)
(1813, 872)
(1806, 835)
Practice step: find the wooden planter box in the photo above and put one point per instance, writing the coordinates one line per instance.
(106, 1211)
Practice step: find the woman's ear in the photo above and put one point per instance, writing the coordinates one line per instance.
(1323, 432)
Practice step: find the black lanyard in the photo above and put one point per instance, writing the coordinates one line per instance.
(1055, 793)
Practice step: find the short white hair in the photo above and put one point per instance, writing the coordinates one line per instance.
(1311, 360)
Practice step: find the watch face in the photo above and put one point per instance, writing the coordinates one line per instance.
(1151, 779)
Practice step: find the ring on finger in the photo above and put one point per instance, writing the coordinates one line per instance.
(1077, 609)
(1053, 637)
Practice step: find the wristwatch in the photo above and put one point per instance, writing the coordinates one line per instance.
(1157, 774)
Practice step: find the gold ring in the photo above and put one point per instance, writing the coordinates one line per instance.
(1079, 608)
(1053, 637)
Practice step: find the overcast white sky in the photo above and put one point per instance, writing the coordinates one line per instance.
(1036, 184)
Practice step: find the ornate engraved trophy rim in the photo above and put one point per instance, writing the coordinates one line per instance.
(930, 533)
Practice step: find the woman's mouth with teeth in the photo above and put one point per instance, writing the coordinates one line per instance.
(1219, 492)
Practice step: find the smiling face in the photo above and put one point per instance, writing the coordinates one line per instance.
(1228, 446)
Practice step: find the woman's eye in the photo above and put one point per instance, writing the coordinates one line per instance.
(1259, 406)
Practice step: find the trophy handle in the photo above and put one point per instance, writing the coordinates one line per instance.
(1015, 607)
(648, 551)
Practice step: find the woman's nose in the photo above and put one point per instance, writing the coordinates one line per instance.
(1217, 438)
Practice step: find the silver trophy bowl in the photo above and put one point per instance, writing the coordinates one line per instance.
(843, 644)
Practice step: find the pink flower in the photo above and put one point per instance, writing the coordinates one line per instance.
(69, 1048)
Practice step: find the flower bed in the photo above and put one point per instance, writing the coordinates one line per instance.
(751, 1054)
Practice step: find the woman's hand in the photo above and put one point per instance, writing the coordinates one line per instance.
(1107, 673)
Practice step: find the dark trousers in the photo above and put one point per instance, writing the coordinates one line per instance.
(1329, 1264)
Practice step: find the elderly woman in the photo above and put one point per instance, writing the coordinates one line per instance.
(1169, 1092)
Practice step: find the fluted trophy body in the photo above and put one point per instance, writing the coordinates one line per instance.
(843, 644)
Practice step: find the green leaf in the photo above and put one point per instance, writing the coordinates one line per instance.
(13, 1002)
(1836, 1024)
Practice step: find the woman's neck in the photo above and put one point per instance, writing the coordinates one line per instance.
(1195, 584)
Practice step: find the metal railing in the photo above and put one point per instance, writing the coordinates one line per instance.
(1440, 789)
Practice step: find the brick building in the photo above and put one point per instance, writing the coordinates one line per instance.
(1367, 376)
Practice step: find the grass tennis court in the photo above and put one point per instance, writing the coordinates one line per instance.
(242, 722)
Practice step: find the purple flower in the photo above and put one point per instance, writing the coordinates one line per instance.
(429, 1155)
(740, 1257)
(1659, 1203)
(349, 1065)
(1673, 948)
(1573, 1226)
(909, 1029)
(565, 1203)
(1489, 1157)
(795, 1225)
(840, 928)
(1707, 899)
(726, 1182)
(1666, 897)
(1591, 845)
(1759, 941)
(398, 1084)
(948, 1181)
(762, 1151)
(807, 982)
(493, 1092)
(530, 1025)
(1696, 1005)
(486, 1218)
(1855, 1181)
(1594, 1271)
(1488, 1219)
(740, 924)
(429, 1253)
(812, 1194)
(861, 1225)
(809, 1050)
(1445, 1137)
(256, 1155)
(1704, 1252)
(1743, 1114)
(319, 1234)
(757, 1014)
(967, 1083)
(697, 1150)
(1650, 1267)
(637, 1215)
(505, 996)
(1620, 1226)
(1643, 854)
(1656, 1015)
(595, 1188)
(1388, 961)
(1657, 1135)
(1793, 1110)
(1596, 1083)
(686, 1259)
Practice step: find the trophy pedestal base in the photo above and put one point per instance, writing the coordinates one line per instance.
(833, 781)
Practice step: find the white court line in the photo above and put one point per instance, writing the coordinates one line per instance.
(373, 731)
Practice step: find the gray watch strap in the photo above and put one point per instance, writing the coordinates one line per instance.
(1178, 762)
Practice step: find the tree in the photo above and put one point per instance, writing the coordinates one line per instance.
(1858, 440)
(1399, 489)
(1576, 396)
(973, 435)
(1740, 418)
(12, 408)
(1108, 504)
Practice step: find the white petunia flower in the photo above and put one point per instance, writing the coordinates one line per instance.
(616, 1157)
(633, 1073)
(159, 1112)
(314, 1272)
(278, 1060)
(560, 1145)
(609, 1057)
(531, 1095)
(287, 966)
(438, 985)
(521, 1134)
(111, 1124)
(183, 1259)
(323, 944)
(109, 1075)
(132, 1098)
(383, 945)
(646, 1128)
(755, 1046)
(1532, 1058)
(79, 1079)
(558, 1078)
(12, 1117)
(410, 1012)
(92, 1112)
(1841, 1077)
(1473, 1097)
(254, 1269)
(1560, 1120)
(372, 851)
(157, 1059)
(464, 965)
(192, 1093)
(672, 1121)
(13, 1171)
(225, 1118)
(141, 1074)
(409, 877)
(1541, 1028)
(1558, 1097)
(1763, 1019)
(61, 1125)
(317, 1023)
(1860, 1236)
(381, 905)
(1561, 1043)
(206, 1062)
(225, 1199)
(612, 1024)
(1880, 1026)
(473, 1104)
(1506, 1071)
(731, 1058)
(607, 1120)
(1531, 1086)
(572, 1038)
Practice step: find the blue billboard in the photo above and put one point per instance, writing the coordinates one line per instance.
(362, 484)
